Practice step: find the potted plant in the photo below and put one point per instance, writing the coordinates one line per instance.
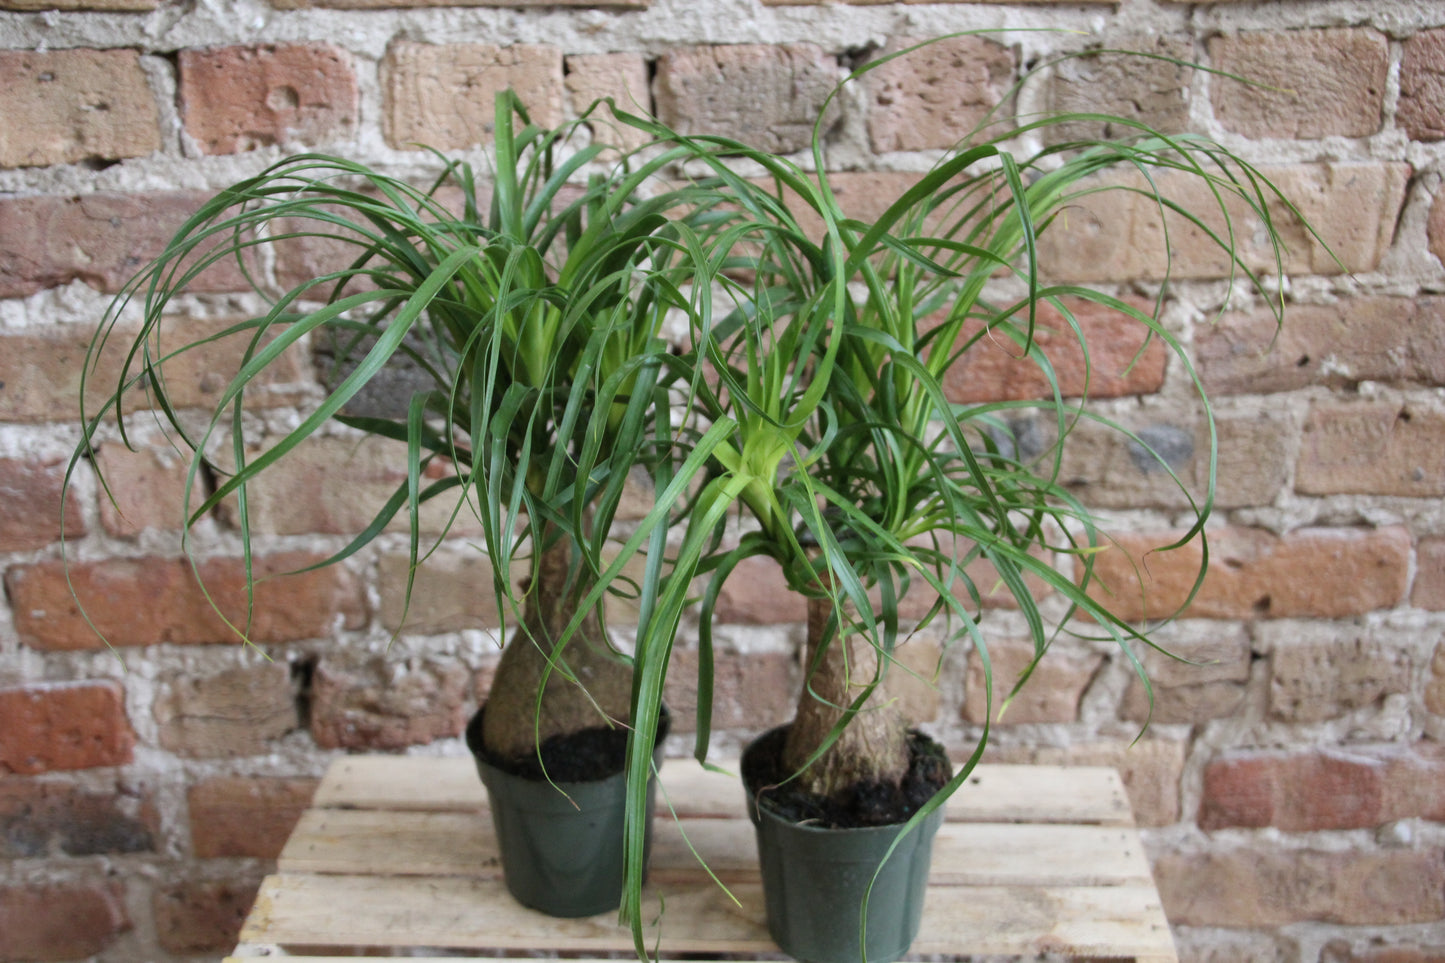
(831, 431)
(532, 325)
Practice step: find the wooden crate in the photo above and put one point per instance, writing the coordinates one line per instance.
(397, 855)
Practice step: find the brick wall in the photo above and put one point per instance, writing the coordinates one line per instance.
(1294, 784)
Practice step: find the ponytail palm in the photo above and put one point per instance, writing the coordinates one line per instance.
(532, 319)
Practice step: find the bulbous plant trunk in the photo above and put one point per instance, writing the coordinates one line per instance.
(873, 749)
(602, 692)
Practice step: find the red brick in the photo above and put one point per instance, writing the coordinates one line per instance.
(934, 97)
(102, 239)
(239, 98)
(1372, 448)
(753, 691)
(1263, 885)
(40, 373)
(1307, 83)
(1336, 345)
(1150, 768)
(756, 593)
(1117, 363)
(297, 495)
(1210, 685)
(442, 95)
(150, 601)
(64, 106)
(1332, 673)
(144, 488)
(40, 818)
(1435, 228)
(239, 711)
(63, 725)
(765, 95)
(1321, 572)
(60, 921)
(31, 499)
(1421, 112)
(1142, 89)
(246, 817)
(1052, 693)
(380, 703)
(202, 916)
(1113, 236)
(1299, 792)
(621, 76)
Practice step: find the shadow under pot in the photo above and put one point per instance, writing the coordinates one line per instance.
(815, 877)
(561, 844)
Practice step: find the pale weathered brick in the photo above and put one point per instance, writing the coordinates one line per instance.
(1422, 86)
(1320, 572)
(1337, 345)
(300, 493)
(1114, 236)
(41, 819)
(1326, 676)
(245, 816)
(765, 95)
(117, 6)
(203, 915)
(1435, 228)
(1142, 89)
(239, 711)
(754, 691)
(441, 95)
(40, 372)
(32, 498)
(382, 703)
(61, 921)
(1210, 685)
(1121, 360)
(150, 601)
(1372, 448)
(1052, 693)
(620, 76)
(452, 591)
(64, 106)
(102, 239)
(1150, 768)
(243, 97)
(1429, 589)
(1435, 682)
(1265, 885)
(756, 593)
(1108, 469)
(144, 488)
(936, 96)
(1306, 83)
(63, 725)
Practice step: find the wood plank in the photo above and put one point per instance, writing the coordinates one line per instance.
(361, 842)
(1035, 794)
(304, 911)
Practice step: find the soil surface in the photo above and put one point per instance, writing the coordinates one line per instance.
(586, 756)
(861, 805)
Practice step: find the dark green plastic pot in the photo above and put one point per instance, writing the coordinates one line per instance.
(561, 854)
(814, 881)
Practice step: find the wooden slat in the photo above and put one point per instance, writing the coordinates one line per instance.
(461, 844)
(1030, 794)
(452, 912)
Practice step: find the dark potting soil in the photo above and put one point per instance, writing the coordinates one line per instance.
(586, 756)
(861, 805)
